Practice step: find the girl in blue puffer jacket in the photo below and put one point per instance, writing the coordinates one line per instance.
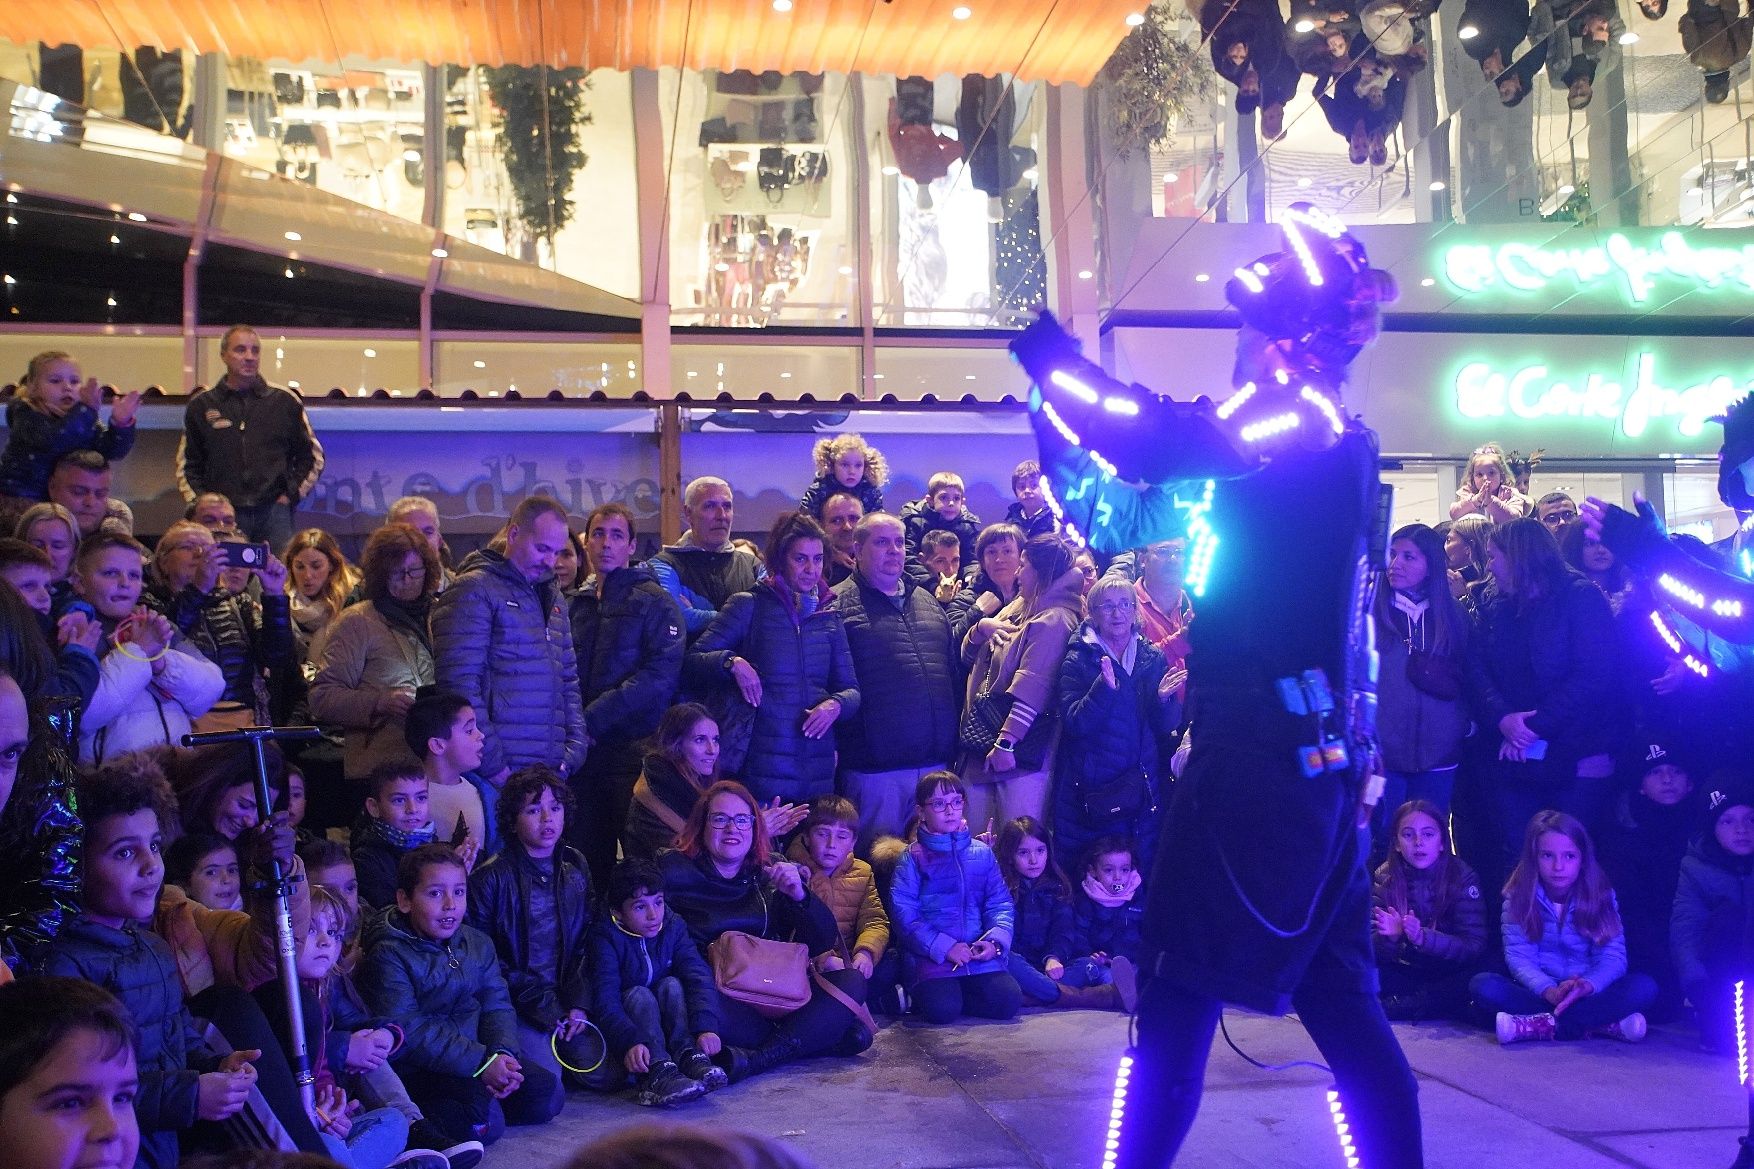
(1564, 944)
(953, 912)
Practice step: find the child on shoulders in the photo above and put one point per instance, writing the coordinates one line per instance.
(439, 978)
(54, 414)
(1564, 945)
(654, 994)
(1429, 920)
(942, 509)
(953, 912)
(1031, 512)
(846, 463)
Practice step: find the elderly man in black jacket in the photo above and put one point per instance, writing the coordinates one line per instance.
(908, 671)
(628, 636)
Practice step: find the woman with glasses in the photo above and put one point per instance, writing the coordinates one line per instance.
(1119, 705)
(379, 652)
(725, 876)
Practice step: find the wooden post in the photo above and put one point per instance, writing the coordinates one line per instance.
(669, 472)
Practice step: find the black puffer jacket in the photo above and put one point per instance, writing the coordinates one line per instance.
(917, 519)
(629, 645)
(449, 997)
(506, 645)
(245, 641)
(1114, 930)
(499, 900)
(909, 679)
(35, 440)
(1043, 925)
(621, 961)
(1559, 658)
(748, 902)
(138, 967)
(802, 660)
(1107, 734)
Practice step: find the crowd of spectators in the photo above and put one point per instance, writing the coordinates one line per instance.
(564, 800)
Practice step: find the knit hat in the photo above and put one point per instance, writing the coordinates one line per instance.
(1735, 794)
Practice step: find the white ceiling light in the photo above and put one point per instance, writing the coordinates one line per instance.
(962, 12)
(1201, 278)
(1086, 274)
(1135, 19)
(480, 365)
(1629, 37)
(439, 253)
(1305, 26)
(1468, 32)
(782, 5)
(136, 217)
(1438, 184)
(294, 236)
(371, 352)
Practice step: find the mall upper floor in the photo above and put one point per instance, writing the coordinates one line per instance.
(408, 195)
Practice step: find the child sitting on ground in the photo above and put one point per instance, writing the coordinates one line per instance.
(440, 729)
(942, 509)
(653, 993)
(1563, 944)
(439, 978)
(1648, 831)
(844, 883)
(536, 880)
(1429, 918)
(181, 1082)
(205, 866)
(846, 463)
(328, 864)
(1715, 896)
(1031, 512)
(68, 1078)
(395, 823)
(1107, 918)
(53, 414)
(362, 1140)
(1042, 936)
(953, 912)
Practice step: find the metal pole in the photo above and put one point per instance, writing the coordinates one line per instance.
(279, 883)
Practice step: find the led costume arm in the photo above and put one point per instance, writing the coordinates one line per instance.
(1718, 602)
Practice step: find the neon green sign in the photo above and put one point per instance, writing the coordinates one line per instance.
(1535, 393)
(1636, 269)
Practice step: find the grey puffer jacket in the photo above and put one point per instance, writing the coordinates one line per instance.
(802, 656)
(506, 645)
(364, 657)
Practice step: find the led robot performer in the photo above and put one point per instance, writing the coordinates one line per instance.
(1277, 494)
(1705, 617)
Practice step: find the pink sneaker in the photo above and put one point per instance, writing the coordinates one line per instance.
(1516, 1028)
(1628, 1030)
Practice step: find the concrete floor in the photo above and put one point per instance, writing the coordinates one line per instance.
(1035, 1092)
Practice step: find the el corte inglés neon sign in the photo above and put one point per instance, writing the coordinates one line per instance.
(1636, 269)
(1533, 392)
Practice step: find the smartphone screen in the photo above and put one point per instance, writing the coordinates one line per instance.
(236, 554)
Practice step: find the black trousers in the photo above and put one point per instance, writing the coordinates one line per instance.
(460, 1107)
(819, 1026)
(603, 788)
(1377, 1089)
(238, 1017)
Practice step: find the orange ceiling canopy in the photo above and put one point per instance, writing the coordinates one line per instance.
(1039, 40)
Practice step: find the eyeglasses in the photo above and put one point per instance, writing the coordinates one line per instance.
(723, 820)
(953, 804)
(409, 573)
(1558, 519)
(1115, 607)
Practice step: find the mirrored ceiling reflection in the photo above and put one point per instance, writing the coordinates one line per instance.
(1600, 112)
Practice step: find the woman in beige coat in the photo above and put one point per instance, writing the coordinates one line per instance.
(379, 651)
(1014, 661)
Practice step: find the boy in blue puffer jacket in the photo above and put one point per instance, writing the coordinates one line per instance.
(953, 912)
(440, 979)
(654, 997)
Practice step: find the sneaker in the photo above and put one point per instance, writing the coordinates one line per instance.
(665, 1085)
(1628, 1030)
(421, 1159)
(1516, 1028)
(423, 1134)
(1126, 982)
(696, 1066)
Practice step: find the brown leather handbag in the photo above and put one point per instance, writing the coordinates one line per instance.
(772, 977)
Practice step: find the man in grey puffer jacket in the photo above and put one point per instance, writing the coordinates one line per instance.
(502, 639)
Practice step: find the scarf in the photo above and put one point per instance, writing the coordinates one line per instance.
(1105, 897)
(396, 838)
(409, 617)
(800, 606)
